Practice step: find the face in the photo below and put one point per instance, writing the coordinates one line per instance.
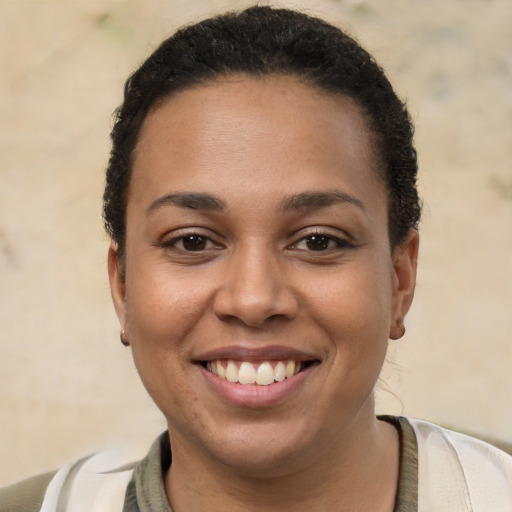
(260, 289)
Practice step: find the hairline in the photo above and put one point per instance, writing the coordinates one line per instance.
(217, 77)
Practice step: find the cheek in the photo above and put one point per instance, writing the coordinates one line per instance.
(163, 303)
(355, 300)
(164, 312)
(354, 310)
(163, 315)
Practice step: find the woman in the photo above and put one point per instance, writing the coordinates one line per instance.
(261, 200)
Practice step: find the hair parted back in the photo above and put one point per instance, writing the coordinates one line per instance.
(263, 41)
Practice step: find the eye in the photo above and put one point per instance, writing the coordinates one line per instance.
(191, 243)
(194, 242)
(320, 242)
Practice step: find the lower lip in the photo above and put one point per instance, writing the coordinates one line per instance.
(254, 396)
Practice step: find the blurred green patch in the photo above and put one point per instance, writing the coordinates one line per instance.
(362, 10)
(502, 186)
(113, 22)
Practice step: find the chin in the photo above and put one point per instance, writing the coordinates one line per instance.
(260, 452)
(253, 461)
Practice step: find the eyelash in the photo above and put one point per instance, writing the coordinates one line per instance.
(202, 242)
(173, 243)
(323, 238)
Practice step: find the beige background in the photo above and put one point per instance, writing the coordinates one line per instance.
(66, 384)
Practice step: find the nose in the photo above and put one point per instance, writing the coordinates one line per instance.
(255, 289)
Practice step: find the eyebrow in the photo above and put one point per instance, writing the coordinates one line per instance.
(317, 200)
(191, 200)
(206, 202)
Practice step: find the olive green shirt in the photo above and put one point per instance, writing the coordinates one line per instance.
(146, 493)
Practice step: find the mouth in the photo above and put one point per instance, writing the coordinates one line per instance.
(256, 373)
(263, 377)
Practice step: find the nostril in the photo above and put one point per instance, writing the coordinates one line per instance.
(255, 310)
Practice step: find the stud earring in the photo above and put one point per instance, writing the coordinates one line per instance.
(399, 330)
(124, 341)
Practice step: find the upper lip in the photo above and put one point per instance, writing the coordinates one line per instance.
(264, 353)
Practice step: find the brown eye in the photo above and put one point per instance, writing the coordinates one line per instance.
(318, 242)
(321, 242)
(194, 243)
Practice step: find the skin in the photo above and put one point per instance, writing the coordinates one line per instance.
(284, 162)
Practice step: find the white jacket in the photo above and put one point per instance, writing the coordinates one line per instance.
(456, 473)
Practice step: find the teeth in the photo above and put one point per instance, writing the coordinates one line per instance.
(246, 373)
(279, 372)
(265, 374)
(232, 372)
(290, 369)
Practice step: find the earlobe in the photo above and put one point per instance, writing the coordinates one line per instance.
(117, 285)
(405, 261)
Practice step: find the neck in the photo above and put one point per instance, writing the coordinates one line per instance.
(360, 471)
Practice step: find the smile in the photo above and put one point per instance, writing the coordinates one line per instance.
(259, 374)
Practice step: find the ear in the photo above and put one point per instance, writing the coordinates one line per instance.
(405, 261)
(117, 285)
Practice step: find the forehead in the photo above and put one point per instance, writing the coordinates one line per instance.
(257, 133)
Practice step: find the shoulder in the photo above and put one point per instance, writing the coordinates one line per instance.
(95, 482)
(456, 469)
(25, 496)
